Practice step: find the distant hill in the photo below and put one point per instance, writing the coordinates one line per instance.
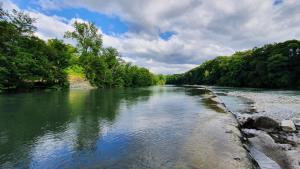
(271, 66)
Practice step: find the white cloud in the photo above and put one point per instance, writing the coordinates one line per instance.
(204, 29)
(5, 4)
(48, 26)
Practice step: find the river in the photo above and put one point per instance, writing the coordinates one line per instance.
(155, 127)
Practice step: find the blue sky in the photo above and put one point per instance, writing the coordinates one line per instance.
(108, 24)
(170, 36)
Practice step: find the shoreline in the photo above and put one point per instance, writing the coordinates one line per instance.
(267, 143)
(78, 82)
(232, 130)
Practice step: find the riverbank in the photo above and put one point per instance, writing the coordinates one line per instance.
(79, 82)
(224, 138)
(262, 117)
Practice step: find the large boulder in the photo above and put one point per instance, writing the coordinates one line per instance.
(288, 125)
(266, 123)
(259, 122)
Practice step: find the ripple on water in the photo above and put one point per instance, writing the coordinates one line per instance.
(160, 127)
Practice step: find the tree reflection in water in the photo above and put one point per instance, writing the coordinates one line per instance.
(28, 117)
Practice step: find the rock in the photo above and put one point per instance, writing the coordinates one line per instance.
(297, 123)
(285, 146)
(229, 131)
(216, 99)
(262, 160)
(237, 158)
(288, 125)
(266, 123)
(245, 120)
(260, 122)
(293, 139)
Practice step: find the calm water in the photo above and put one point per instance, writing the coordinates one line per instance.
(157, 127)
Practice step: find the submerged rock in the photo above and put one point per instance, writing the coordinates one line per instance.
(288, 125)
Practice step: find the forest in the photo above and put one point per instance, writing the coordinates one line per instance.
(271, 66)
(28, 62)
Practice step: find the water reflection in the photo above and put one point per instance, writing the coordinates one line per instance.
(156, 127)
(32, 119)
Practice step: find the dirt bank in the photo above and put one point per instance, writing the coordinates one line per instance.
(78, 82)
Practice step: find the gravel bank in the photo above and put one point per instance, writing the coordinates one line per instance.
(265, 134)
(275, 105)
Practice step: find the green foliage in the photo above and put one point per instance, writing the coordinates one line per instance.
(271, 66)
(103, 67)
(159, 79)
(75, 70)
(27, 61)
(87, 37)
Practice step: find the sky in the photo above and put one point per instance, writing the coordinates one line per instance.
(169, 36)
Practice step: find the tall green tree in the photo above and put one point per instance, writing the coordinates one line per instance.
(104, 67)
(25, 60)
(89, 40)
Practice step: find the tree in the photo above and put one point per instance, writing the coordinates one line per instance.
(89, 41)
(104, 67)
(25, 60)
(274, 65)
(277, 71)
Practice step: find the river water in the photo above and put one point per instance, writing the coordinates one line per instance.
(155, 127)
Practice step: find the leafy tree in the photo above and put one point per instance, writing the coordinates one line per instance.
(104, 67)
(89, 41)
(25, 60)
(275, 65)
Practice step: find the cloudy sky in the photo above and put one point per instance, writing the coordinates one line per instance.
(169, 36)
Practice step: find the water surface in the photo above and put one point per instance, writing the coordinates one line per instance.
(156, 127)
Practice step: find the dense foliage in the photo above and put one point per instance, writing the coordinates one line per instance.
(271, 66)
(103, 67)
(27, 61)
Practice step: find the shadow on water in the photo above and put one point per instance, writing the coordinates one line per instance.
(26, 118)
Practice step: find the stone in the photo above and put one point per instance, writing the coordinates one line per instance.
(259, 122)
(245, 120)
(288, 125)
(267, 123)
(237, 158)
(297, 123)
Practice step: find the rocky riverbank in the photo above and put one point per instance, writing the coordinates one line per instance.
(78, 82)
(224, 138)
(270, 123)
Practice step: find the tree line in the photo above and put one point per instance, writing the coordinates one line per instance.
(271, 66)
(104, 67)
(27, 61)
